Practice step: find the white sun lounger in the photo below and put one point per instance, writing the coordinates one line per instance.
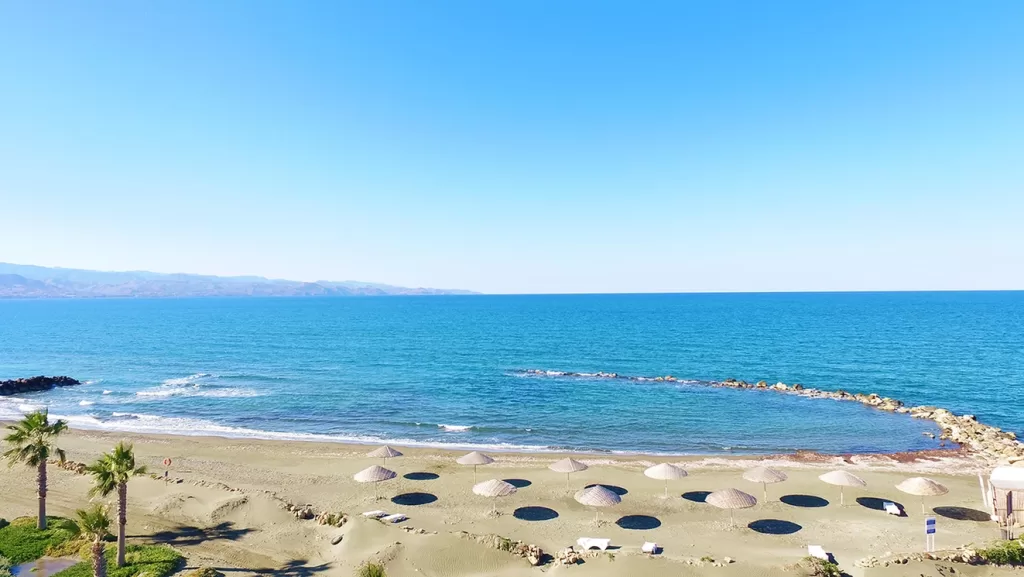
(892, 508)
(591, 543)
(817, 551)
(650, 548)
(374, 514)
(396, 518)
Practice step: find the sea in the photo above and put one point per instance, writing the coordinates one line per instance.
(452, 371)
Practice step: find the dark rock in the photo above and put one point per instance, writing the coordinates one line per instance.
(35, 384)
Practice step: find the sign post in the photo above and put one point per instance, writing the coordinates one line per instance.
(929, 534)
(167, 469)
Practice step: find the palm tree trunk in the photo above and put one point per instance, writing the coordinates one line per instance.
(122, 519)
(41, 478)
(99, 563)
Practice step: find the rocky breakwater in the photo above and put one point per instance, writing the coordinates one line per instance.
(34, 384)
(990, 443)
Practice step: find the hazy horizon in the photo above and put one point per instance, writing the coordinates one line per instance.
(520, 147)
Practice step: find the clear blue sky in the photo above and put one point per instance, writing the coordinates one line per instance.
(520, 145)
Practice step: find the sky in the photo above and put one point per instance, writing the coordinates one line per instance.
(520, 146)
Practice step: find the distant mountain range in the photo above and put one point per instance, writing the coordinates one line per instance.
(28, 281)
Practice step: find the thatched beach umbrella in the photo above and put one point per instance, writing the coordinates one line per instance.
(598, 496)
(568, 466)
(475, 458)
(494, 489)
(374, 474)
(665, 472)
(386, 452)
(764, 475)
(731, 499)
(922, 487)
(842, 479)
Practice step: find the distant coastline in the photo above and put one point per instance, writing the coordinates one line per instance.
(36, 282)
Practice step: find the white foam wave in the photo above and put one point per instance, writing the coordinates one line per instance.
(28, 408)
(197, 391)
(189, 380)
(107, 391)
(455, 428)
(145, 423)
(84, 403)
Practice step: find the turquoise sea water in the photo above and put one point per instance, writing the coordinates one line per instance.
(449, 370)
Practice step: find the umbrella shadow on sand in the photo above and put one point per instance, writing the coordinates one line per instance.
(696, 496)
(414, 499)
(535, 513)
(806, 501)
(638, 522)
(774, 527)
(876, 504)
(421, 476)
(518, 483)
(962, 514)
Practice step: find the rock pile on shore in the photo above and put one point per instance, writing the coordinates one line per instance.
(532, 553)
(35, 384)
(963, 555)
(985, 441)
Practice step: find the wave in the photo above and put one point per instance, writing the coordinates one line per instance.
(93, 382)
(455, 428)
(84, 403)
(107, 392)
(196, 391)
(189, 380)
(186, 426)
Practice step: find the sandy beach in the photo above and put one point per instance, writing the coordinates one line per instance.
(229, 511)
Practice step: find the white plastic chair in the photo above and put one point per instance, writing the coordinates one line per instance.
(586, 543)
(817, 551)
(892, 508)
(650, 548)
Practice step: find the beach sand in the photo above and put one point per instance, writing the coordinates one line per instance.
(247, 531)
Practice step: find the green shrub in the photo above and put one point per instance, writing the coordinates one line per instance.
(371, 570)
(153, 560)
(821, 568)
(1005, 553)
(21, 542)
(5, 566)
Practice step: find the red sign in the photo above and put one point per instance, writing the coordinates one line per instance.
(167, 462)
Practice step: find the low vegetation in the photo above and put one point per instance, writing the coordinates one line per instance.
(371, 570)
(22, 541)
(822, 568)
(5, 567)
(205, 572)
(151, 560)
(1005, 553)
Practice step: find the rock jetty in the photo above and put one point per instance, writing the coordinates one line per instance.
(35, 384)
(990, 443)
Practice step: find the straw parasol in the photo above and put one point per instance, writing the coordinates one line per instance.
(922, 487)
(475, 458)
(568, 466)
(374, 474)
(665, 472)
(386, 452)
(842, 479)
(598, 496)
(494, 489)
(764, 475)
(731, 499)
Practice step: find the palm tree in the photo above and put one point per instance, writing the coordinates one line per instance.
(95, 523)
(111, 473)
(32, 442)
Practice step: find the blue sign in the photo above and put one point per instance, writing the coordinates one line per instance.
(929, 525)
